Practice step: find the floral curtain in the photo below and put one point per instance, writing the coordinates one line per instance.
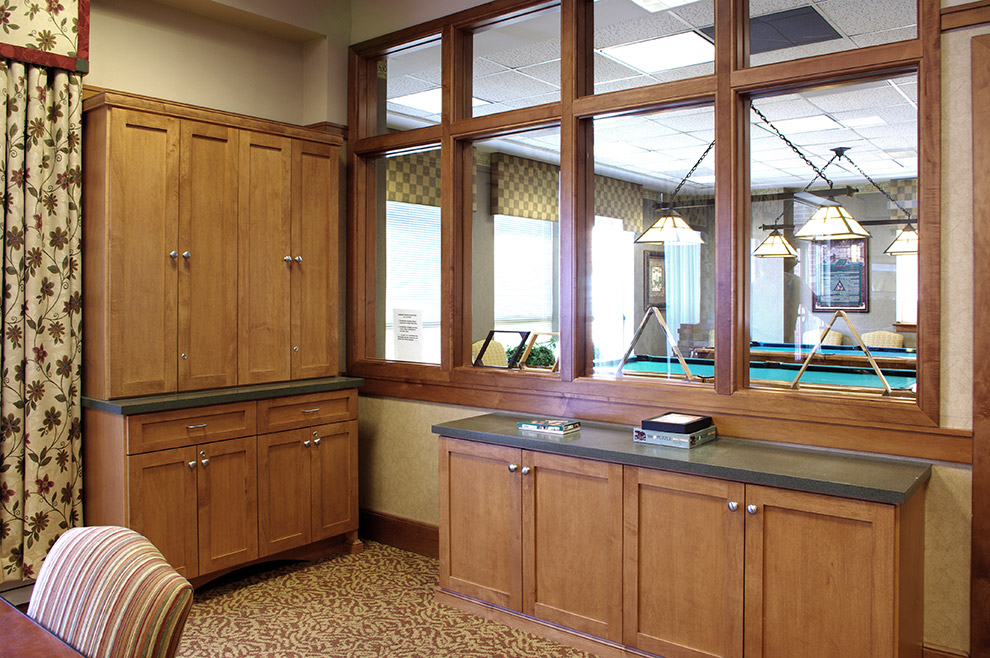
(40, 472)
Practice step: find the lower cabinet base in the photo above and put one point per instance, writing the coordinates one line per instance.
(345, 543)
(566, 636)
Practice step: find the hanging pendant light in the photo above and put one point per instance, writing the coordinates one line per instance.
(831, 223)
(775, 246)
(670, 227)
(905, 243)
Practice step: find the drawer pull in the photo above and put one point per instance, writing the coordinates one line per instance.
(196, 427)
(310, 411)
(513, 467)
(192, 464)
(317, 441)
(307, 443)
(525, 470)
(206, 462)
(751, 509)
(733, 506)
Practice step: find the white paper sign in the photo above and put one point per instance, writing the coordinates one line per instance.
(407, 325)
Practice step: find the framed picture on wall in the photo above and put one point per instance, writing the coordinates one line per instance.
(841, 275)
(654, 280)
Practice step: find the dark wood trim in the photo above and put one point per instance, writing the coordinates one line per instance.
(967, 15)
(493, 125)
(409, 535)
(404, 140)
(932, 651)
(329, 127)
(980, 569)
(677, 93)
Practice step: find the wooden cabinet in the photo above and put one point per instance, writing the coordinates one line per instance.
(225, 485)
(509, 535)
(677, 565)
(211, 256)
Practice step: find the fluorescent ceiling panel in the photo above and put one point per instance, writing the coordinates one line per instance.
(430, 101)
(654, 6)
(664, 53)
(806, 124)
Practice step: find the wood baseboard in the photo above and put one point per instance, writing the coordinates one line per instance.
(931, 651)
(406, 534)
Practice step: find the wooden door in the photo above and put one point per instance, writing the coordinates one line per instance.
(480, 521)
(284, 485)
(335, 479)
(819, 576)
(228, 503)
(161, 499)
(315, 303)
(683, 564)
(572, 543)
(264, 259)
(143, 232)
(207, 245)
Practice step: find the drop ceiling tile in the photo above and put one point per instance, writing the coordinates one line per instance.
(702, 118)
(889, 115)
(619, 85)
(764, 7)
(854, 17)
(684, 72)
(856, 97)
(483, 66)
(608, 70)
(548, 72)
(673, 141)
(886, 36)
(698, 14)
(526, 54)
(777, 110)
(650, 26)
(432, 75)
(634, 130)
(799, 52)
(509, 86)
(407, 84)
(906, 132)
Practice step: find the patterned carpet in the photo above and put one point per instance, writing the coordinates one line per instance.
(376, 604)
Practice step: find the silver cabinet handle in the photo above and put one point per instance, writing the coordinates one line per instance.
(206, 462)
(185, 356)
(733, 506)
(192, 464)
(317, 441)
(751, 509)
(298, 259)
(173, 254)
(307, 443)
(525, 470)
(186, 255)
(295, 349)
(288, 259)
(512, 468)
(195, 427)
(310, 411)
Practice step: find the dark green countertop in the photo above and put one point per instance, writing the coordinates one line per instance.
(866, 477)
(190, 399)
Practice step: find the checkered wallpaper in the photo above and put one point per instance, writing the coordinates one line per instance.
(906, 193)
(619, 199)
(525, 188)
(415, 178)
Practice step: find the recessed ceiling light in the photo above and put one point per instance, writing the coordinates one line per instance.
(430, 101)
(661, 5)
(863, 122)
(664, 53)
(806, 124)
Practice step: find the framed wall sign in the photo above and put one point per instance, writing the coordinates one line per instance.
(841, 275)
(654, 280)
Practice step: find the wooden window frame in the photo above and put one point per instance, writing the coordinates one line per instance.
(903, 427)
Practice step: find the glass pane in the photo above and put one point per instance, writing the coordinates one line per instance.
(410, 81)
(780, 31)
(863, 139)
(667, 277)
(515, 254)
(408, 238)
(643, 42)
(517, 63)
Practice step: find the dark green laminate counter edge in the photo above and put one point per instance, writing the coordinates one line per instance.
(190, 399)
(850, 475)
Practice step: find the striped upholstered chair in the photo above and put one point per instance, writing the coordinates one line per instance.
(109, 593)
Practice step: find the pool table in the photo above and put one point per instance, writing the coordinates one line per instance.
(835, 355)
(902, 380)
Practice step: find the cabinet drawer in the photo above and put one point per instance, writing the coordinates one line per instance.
(183, 427)
(277, 414)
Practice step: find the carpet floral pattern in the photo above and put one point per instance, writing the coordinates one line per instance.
(371, 605)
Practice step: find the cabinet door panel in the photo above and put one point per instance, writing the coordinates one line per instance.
(207, 313)
(162, 504)
(263, 242)
(480, 507)
(284, 484)
(144, 180)
(228, 503)
(572, 543)
(819, 576)
(335, 487)
(683, 564)
(314, 277)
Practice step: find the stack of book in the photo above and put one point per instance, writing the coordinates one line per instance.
(677, 430)
(550, 425)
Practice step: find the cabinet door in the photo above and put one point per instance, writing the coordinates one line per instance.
(228, 503)
(284, 485)
(162, 504)
(335, 473)
(263, 245)
(207, 245)
(572, 543)
(683, 565)
(480, 522)
(819, 576)
(143, 226)
(315, 304)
